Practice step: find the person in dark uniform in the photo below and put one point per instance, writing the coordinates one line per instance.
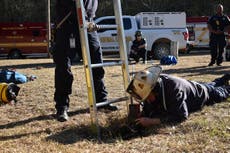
(64, 53)
(218, 24)
(168, 98)
(138, 48)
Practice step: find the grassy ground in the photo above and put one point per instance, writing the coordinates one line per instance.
(30, 126)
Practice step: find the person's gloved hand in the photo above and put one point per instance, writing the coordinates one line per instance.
(91, 26)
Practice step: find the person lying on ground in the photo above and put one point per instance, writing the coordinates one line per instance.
(167, 98)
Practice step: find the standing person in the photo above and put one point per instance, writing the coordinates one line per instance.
(218, 24)
(63, 53)
(138, 48)
(171, 99)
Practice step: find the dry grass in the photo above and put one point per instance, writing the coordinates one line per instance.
(30, 126)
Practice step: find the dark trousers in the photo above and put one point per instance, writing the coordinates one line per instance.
(218, 92)
(217, 47)
(137, 54)
(62, 58)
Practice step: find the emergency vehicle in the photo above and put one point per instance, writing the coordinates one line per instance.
(158, 28)
(18, 40)
(198, 32)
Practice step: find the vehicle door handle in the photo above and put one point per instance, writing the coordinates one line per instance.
(114, 34)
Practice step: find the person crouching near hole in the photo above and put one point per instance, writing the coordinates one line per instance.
(168, 98)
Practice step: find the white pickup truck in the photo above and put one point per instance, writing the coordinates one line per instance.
(158, 28)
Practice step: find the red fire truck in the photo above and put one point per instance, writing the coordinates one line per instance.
(198, 31)
(199, 34)
(18, 40)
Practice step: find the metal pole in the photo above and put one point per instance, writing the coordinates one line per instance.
(48, 26)
(122, 44)
(87, 62)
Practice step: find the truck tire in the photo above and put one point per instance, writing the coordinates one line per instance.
(160, 50)
(15, 54)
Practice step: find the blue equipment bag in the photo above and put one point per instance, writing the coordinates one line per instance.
(168, 60)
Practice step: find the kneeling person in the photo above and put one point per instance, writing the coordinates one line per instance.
(138, 48)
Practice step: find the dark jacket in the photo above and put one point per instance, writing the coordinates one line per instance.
(91, 7)
(65, 6)
(181, 97)
(136, 44)
(218, 23)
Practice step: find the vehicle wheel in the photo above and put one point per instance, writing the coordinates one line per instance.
(15, 54)
(160, 50)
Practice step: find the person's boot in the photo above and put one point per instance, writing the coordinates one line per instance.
(226, 79)
(211, 63)
(62, 115)
(109, 107)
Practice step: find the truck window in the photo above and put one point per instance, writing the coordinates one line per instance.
(126, 22)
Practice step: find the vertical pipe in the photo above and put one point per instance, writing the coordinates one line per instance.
(48, 26)
(122, 44)
(87, 65)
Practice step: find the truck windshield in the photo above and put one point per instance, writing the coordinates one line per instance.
(111, 21)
